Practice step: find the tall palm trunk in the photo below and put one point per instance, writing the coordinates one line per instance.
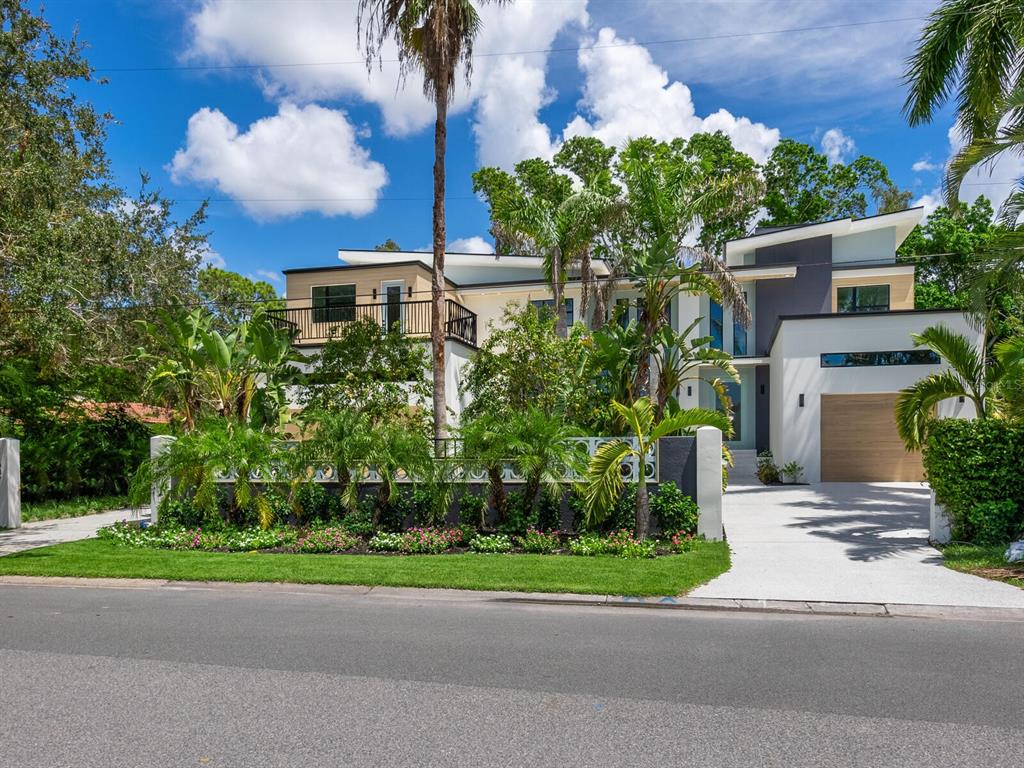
(643, 511)
(586, 283)
(499, 499)
(558, 289)
(437, 305)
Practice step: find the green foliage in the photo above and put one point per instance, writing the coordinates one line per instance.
(803, 186)
(974, 462)
(359, 522)
(472, 511)
(993, 522)
(768, 471)
(328, 539)
(80, 259)
(674, 510)
(314, 503)
(497, 543)
(369, 369)
(522, 514)
(524, 362)
(618, 543)
(539, 542)
(232, 297)
(171, 536)
(417, 541)
(792, 471)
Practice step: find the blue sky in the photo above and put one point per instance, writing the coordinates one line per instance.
(302, 159)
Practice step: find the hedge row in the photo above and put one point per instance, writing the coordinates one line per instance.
(975, 462)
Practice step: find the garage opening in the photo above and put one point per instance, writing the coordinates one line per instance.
(859, 442)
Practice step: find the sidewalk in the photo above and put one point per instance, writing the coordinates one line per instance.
(43, 533)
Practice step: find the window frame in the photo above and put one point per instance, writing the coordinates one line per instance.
(877, 359)
(856, 309)
(333, 309)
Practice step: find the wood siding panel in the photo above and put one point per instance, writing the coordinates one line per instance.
(859, 442)
(901, 289)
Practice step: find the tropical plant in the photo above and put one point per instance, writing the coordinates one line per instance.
(217, 449)
(681, 358)
(394, 450)
(973, 48)
(987, 383)
(340, 440)
(485, 442)
(437, 37)
(604, 481)
(543, 452)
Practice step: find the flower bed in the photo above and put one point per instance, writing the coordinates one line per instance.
(333, 539)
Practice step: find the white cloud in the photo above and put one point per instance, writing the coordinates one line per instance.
(475, 244)
(301, 159)
(266, 274)
(627, 95)
(925, 165)
(836, 145)
(821, 66)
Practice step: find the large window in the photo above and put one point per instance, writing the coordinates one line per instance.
(334, 303)
(717, 326)
(863, 298)
(861, 359)
(739, 336)
(548, 305)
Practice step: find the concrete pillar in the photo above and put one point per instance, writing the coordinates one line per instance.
(938, 523)
(158, 444)
(10, 483)
(709, 482)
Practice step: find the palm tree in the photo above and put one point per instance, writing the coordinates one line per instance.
(436, 36)
(341, 439)
(972, 47)
(394, 448)
(604, 482)
(485, 442)
(563, 233)
(967, 376)
(175, 374)
(542, 451)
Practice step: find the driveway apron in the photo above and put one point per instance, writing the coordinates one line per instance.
(842, 542)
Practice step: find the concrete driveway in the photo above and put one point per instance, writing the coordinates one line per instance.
(842, 542)
(43, 533)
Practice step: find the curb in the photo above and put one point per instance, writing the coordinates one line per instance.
(722, 605)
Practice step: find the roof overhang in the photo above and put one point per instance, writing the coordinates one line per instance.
(903, 221)
(381, 258)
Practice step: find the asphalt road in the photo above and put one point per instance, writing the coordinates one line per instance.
(234, 677)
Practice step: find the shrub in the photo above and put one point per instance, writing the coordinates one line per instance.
(682, 542)
(767, 470)
(472, 509)
(674, 510)
(539, 542)
(587, 545)
(974, 462)
(329, 539)
(317, 503)
(417, 541)
(521, 514)
(359, 522)
(624, 544)
(549, 512)
(180, 512)
(792, 471)
(992, 523)
(180, 537)
(496, 544)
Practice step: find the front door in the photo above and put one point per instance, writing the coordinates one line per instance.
(391, 299)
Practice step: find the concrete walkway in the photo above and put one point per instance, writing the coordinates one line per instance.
(46, 532)
(842, 542)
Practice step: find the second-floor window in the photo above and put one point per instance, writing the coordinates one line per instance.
(334, 303)
(717, 326)
(548, 305)
(739, 335)
(863, 298)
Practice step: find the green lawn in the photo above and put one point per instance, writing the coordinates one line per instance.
(52, 510)
(670, 575)
(989, 562)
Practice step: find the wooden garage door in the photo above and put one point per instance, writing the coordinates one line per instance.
(859, 441)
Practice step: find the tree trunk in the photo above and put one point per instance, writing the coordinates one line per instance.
(586, 284)
(383, 497)
(643, 372)
(643, 513)
(437, 306)
(499, 499)
(558, 289)
(597, 320)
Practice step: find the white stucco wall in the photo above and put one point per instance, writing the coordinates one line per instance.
(796, 369)
(873, 245)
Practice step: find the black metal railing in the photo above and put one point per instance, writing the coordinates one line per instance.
(311, 324)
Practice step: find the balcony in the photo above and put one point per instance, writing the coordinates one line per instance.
(315, 325)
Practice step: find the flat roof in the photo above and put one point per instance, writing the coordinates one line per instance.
(847, 315)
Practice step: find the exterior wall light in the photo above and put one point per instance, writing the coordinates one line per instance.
(801, 399)
(689, 391)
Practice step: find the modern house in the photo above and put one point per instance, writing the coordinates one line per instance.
(820, 365)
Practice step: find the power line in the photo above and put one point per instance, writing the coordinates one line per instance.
(495, 54)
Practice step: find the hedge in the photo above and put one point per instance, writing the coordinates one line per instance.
(975, 462)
